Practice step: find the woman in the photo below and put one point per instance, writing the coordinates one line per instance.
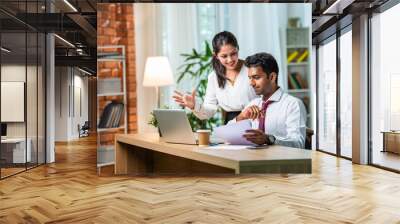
(228, 85)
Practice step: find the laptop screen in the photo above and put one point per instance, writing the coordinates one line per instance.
(174, 126)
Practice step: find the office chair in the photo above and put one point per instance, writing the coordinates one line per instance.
(309, 134)
(84, 130)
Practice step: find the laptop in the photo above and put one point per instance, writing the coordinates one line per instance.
(174, 126)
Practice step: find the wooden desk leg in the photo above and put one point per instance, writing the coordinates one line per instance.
(132, 160)
(121, 158)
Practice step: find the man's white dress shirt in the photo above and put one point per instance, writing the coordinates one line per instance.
(285, 119)
(230, 98)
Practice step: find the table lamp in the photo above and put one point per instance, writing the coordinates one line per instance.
(157, 72)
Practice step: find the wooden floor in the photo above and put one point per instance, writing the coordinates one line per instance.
(70, 191)
(386, 159)
(5, 172)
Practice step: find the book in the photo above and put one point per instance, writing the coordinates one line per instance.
(303, 56)
(292, 56)
(117, 119)
(292, 83)
(295, 81)
(301, 81)
(111, 116)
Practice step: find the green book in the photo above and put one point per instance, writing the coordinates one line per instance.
(295, 81)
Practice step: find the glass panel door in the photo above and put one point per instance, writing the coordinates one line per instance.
(14, 154)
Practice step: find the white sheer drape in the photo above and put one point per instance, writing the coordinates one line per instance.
(148, 43)
(180, 36)
(257, 28)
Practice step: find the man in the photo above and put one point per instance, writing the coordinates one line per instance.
(277, 117)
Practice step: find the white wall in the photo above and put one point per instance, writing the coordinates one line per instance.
(12, 73)
(61, 103)
(69, 82)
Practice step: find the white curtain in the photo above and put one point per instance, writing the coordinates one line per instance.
(179, 36)
(257, 28)
(148, 43)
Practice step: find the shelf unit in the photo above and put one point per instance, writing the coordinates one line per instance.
(111, 86)
(298, 69)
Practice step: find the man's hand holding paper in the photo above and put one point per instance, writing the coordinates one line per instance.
(234, 133)
(255, 136)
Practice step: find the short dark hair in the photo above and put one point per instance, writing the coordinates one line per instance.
(266, 61)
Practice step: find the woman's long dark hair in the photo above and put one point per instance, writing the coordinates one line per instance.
(218, 41)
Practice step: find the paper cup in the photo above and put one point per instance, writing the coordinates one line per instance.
(204, 137)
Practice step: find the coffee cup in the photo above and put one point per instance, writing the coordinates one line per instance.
(203, 137)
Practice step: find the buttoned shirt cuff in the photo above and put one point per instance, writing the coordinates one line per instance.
(197, 107)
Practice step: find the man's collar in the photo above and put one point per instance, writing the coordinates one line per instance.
(276, 96)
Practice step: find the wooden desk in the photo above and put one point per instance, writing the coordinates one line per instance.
(391, 141)
(13, 150)
(139, 154)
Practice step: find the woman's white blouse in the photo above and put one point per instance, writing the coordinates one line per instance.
(230, 98)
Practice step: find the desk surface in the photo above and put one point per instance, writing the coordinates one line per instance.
(233, 159)
(13, 140)
(391, 132)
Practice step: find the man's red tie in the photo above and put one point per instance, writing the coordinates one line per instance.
(261, 123)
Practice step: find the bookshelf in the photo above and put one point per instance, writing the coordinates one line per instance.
(298, 69)
(111, 101)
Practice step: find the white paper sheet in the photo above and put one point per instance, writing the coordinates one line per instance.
(228, 147)
(235, 147)
(233, 133)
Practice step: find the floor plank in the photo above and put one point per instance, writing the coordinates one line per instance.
(69, 191)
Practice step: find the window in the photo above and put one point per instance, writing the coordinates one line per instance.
(327, 97)
(385, 89)
(346, 94)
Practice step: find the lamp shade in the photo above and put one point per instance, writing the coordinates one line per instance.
(157, 72)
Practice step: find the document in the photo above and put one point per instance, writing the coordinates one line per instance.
(228, 147)
(236, 147)
(233, 133)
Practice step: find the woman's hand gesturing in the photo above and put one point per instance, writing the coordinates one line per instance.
(185, 100)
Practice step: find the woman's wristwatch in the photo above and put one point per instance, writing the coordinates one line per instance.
(270, 139)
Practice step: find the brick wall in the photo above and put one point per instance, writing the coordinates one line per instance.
(115, 26)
